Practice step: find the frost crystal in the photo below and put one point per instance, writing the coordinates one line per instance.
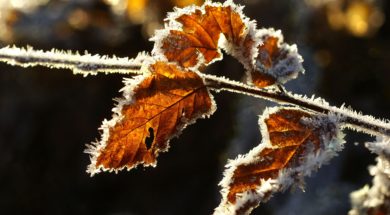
(331, 142)
(95, 148)
(380, 147)
(156, 100)
(374, 199)
(86, 64)
(286, 63)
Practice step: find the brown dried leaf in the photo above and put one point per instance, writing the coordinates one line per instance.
(262, 80)
(289, 137)
(276, 61)
(269, 51)
(276, 163)
(229, 22)
(191, 39)
(162, 104)
(200, 34)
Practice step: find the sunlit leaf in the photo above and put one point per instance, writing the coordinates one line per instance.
(193, 37)
(294, 144)
(276, 61)
(161, 105)
(200, 34)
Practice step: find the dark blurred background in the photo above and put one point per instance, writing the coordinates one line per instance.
(46, 116)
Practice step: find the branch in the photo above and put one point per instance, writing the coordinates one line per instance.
(86, 64)
(350, 118)
(92, 64)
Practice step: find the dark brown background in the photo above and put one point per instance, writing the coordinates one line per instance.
(46, 116)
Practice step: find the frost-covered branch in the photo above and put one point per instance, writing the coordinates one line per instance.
(350, 119)
(86, 64)
(92, 64)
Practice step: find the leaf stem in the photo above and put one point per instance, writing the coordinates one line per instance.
(351, 119)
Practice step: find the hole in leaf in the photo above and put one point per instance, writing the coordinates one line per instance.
(149, 140)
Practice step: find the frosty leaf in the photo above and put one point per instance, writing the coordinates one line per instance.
(261, 80)
(380, 147)
(276, 61)
(374, 200)
(196, 41)
(156, 108)
(294, 144)
(200, 34)
(230, 23)
(192, 38)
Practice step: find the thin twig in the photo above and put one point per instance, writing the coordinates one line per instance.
(352, 119)
(92, 64)
(86, 64)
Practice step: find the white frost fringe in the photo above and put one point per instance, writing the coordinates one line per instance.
(331, 144)
(86, 64)
(283, 71)
(378, 195)
(95, 148)
(288, 68)
(172, 24)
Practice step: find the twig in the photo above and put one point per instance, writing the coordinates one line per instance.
(352, 119)
(86, 64)
(92, 64)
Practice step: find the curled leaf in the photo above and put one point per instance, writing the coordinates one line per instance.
(294, 144)
(192, 39)
(156, 108)
(192, 36)
(276, 61)
(199, 35)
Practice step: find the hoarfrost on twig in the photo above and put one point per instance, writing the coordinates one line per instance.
(86, 64)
